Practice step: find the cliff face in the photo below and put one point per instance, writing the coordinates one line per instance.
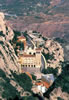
(54, 54)
(57, 93)
(8, 59)
(8, 63)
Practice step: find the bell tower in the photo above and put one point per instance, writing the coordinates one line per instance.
(38, 58)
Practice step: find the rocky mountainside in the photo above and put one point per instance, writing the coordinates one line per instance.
(13, 84)
(8, 58)
(60, 88)
(57, 94)
(8, 62)
(50, 17)
(54, 54)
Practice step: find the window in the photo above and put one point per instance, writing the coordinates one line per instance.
(33, 53)
(31, 65)
(34, 65)
(30, 53)
(23, 65)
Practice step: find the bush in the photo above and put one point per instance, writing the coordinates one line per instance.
(48, 56)
(33, 77)
(9, 90)
(16, 98)
(23, 80)
(61, 81)
(16, 34)
(58, 98)
(29, 98)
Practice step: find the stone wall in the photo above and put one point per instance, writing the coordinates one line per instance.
(31, 70)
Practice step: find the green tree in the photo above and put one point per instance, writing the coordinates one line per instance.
(61, 81)
(23, 80)
(33, 77)
(59, 98)
(48, 56)
(8, 90)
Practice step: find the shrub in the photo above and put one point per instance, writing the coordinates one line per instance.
(9, 90)
(23, 80)
(61, 81)
(59, 98)
(33, 77)
(48, 56)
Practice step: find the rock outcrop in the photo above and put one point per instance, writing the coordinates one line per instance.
(8, 59)
(55, 54)
(10, 81)
(57, 93)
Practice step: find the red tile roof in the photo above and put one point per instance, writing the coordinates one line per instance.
(28, 55)
(47, 85)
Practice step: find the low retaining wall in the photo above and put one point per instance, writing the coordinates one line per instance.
(31, 70)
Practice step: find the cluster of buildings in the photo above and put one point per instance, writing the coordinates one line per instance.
(42, 85)
(37, 39)
(29, 58)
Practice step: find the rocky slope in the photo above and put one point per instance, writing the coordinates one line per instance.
(57, 94)
(65, 44)
(12, 82)
(54, 54)
(60, 88)
(8, 58)
(8, 61)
